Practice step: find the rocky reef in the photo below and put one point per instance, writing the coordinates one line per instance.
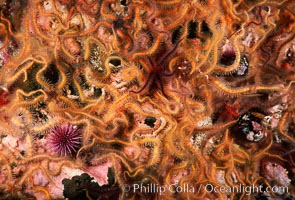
(147, 99)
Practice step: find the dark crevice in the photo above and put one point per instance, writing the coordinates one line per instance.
(51, 74)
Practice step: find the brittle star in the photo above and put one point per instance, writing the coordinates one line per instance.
(158, 71)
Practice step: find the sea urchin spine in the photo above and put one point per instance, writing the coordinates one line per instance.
(65, 139)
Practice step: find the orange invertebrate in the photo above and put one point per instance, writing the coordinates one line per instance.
(147, 99)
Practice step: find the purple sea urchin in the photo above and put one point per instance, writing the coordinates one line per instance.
(65, 139)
